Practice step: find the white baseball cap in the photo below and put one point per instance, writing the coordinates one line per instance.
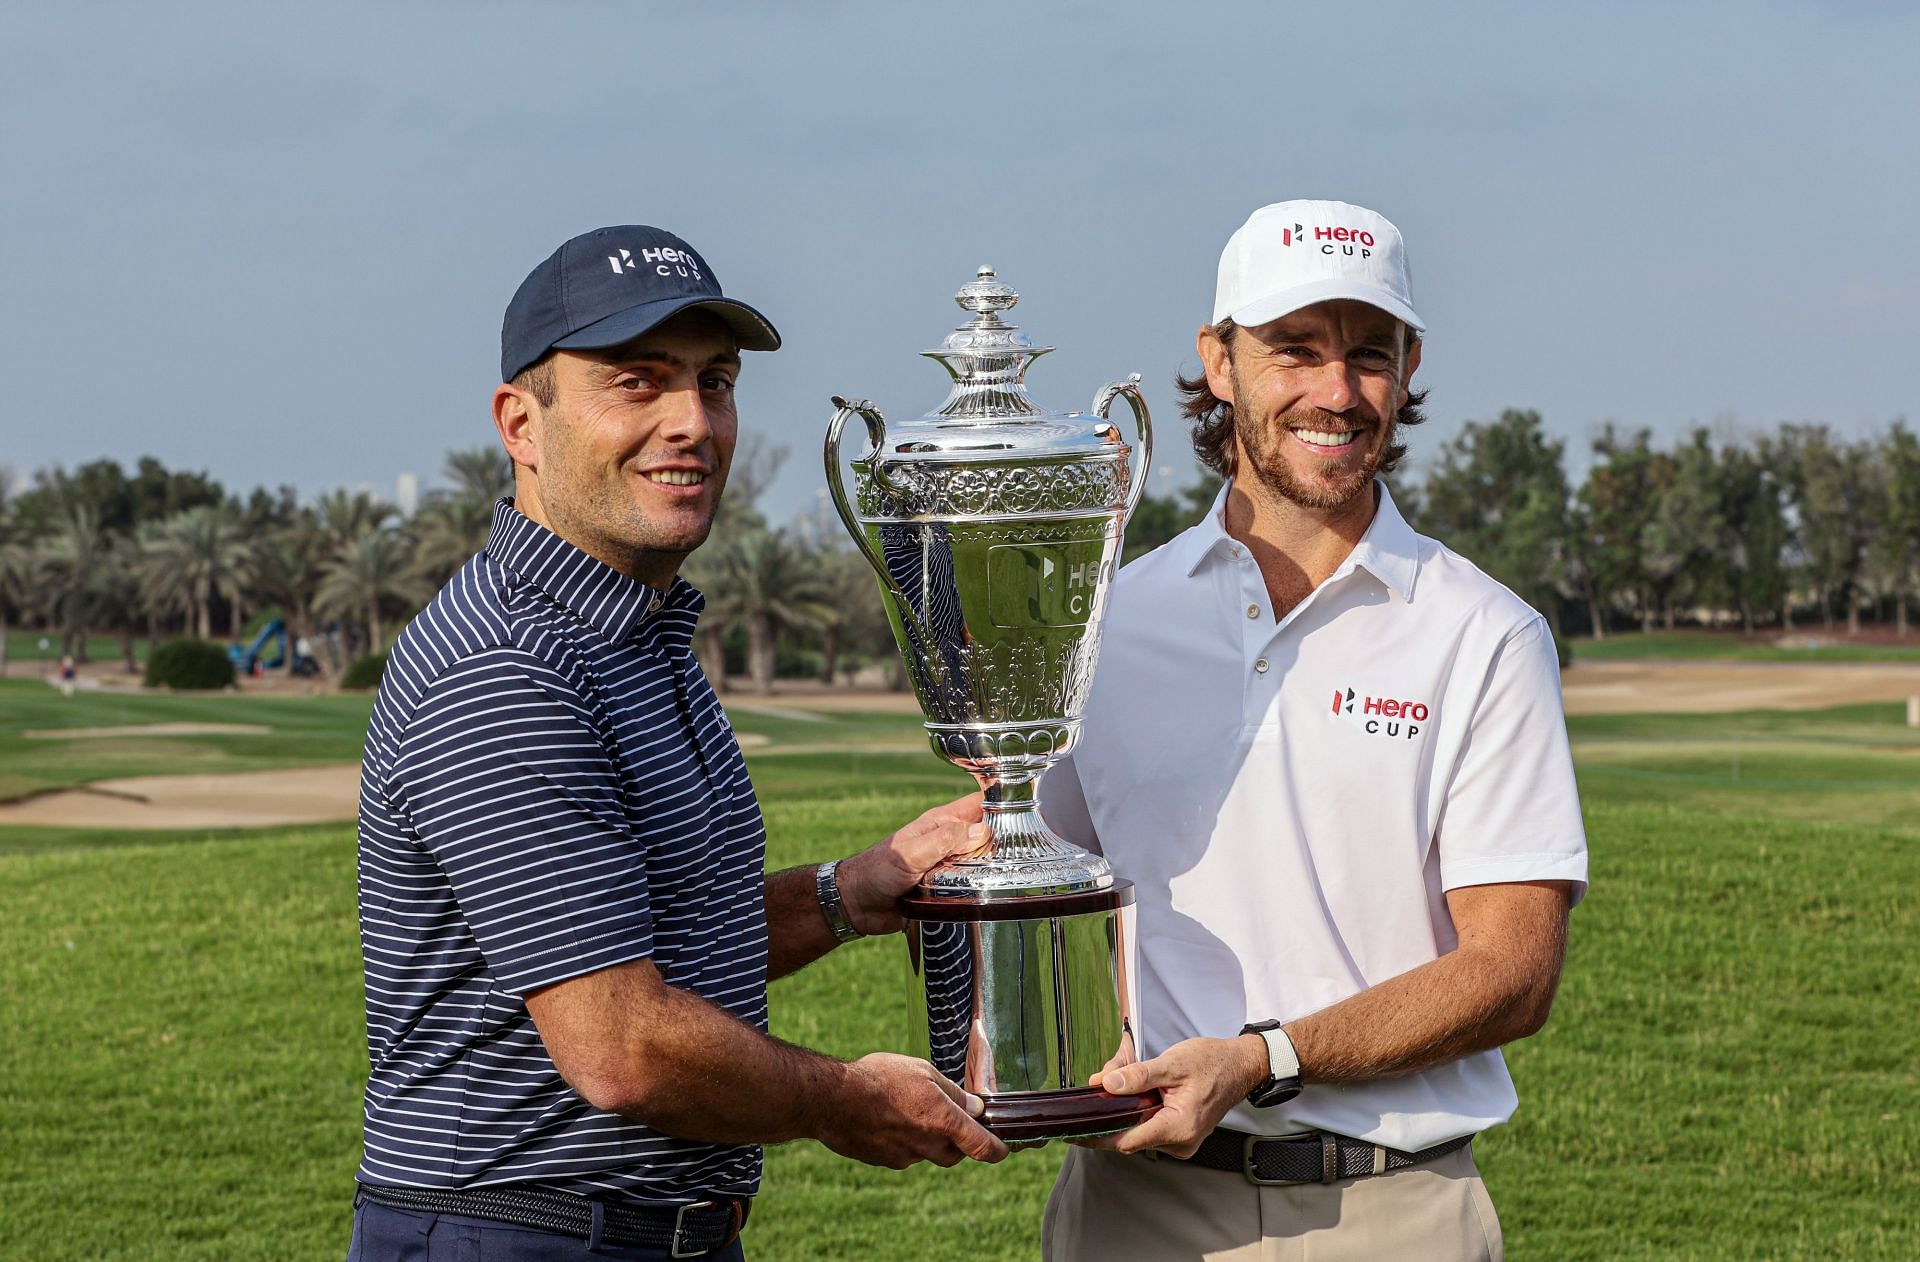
(1293, 254)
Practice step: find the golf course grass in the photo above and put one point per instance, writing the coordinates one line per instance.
(1809, 645)
(1729, 1071)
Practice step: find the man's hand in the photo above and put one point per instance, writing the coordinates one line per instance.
(895, 1110)
(1198, 1081)
(872, 881)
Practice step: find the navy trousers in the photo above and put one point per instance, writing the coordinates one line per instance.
(381, 1234)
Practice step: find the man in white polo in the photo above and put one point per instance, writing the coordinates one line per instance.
(1331, 754)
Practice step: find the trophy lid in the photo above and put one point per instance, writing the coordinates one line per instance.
(988, 413)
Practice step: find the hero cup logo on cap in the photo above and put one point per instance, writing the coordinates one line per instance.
(665, 261)
(611, 285)
(1293, 254)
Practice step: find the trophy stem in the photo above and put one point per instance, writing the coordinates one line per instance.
(1022, 855)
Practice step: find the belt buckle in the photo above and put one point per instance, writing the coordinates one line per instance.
(1246, 1164)
(679, 1225)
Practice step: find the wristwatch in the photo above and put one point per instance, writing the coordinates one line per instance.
(826, 887)
(1282, 1082)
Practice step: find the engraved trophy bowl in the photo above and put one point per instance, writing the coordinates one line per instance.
(994, 526)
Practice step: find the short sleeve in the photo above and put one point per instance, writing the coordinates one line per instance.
(514, 796)
(1512, 811)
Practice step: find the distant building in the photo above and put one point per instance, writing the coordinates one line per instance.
(406, 493)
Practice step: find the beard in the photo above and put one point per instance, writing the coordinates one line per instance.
(1263, 444)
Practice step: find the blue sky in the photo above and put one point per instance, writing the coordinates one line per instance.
(275, 243)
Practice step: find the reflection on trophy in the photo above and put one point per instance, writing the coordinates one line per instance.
(994, 525)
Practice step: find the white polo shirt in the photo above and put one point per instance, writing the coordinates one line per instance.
(1294, 799)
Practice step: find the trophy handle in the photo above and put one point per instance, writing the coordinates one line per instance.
(836, 486)
(1137, 401)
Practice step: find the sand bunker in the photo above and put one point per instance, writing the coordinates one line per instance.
(149, 729)
(244, 799)
(317, 795)
(1719, 687)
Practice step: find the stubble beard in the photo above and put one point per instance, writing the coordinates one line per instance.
(600, 516)
(1264, 441)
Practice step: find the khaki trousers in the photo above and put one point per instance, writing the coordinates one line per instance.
(1112, 1208)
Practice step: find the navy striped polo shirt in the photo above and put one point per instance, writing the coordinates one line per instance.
(549, 788)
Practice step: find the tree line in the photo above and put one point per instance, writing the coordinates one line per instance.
(157, 552)
(1796, 525)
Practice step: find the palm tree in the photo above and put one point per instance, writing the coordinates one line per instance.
(16, 565)
(114, 594)
(849, 578)
(755, 463)
(481, 474)
(448, 530)
(67, 558)
(773, 585)
(290, 564)
(365, 575)
(193, 556)
(349, 515)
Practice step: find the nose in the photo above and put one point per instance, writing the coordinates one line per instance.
(686, 422)
(1333, 388)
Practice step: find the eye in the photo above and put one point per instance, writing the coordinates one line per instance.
(718, 384)
(633, 382)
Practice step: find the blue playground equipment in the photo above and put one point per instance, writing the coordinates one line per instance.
(270, 651)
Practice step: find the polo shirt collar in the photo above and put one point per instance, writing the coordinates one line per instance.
(598, 594)
(1389, 550)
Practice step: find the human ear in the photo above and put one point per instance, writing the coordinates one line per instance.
(1406, 376)
(1216, 360)
(517, 416)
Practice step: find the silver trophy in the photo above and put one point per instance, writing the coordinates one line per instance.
(994, 525)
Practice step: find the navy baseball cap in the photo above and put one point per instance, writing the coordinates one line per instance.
(611, 285)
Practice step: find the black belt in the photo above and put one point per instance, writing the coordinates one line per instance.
(1316, 1158)
(685, 1231)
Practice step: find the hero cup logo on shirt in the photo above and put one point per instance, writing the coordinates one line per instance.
(1381, 716)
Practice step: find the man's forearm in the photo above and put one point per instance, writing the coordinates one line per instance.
(797, 932)
(1495, 987)
(629, 1043)
(708, 1076)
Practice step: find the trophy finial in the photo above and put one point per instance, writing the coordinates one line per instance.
(986, 295)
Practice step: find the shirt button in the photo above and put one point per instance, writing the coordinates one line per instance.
(1260, 667)
(1253, 611)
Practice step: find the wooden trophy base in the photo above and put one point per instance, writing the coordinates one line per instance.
(1077, 1114)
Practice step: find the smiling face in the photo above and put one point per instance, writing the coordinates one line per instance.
(1314, 395)
(628, 461)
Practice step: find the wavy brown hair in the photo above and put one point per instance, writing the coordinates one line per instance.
(1212, 416)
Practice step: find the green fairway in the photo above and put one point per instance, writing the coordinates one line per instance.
(1728, 1072)
(301, 731)
(1810, 645)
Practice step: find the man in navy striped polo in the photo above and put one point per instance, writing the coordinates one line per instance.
(567, 926)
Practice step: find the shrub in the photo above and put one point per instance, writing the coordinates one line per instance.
(186, 663)
(365, 672)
